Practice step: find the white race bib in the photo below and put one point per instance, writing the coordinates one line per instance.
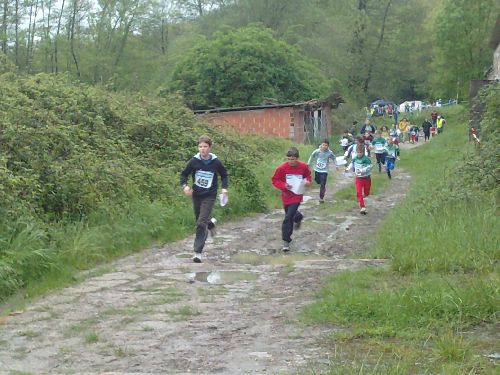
(379, 146)
(361, 170)
(203, 179)
(344, 142)
(320, 164)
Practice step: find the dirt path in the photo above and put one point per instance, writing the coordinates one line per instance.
(156, 312)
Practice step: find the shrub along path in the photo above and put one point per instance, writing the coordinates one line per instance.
(157, 312)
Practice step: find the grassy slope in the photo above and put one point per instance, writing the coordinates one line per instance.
(442, 284)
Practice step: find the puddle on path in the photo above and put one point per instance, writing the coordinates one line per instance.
(256, 259)
(222, 277)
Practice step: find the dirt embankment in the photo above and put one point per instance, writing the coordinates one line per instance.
(157, 312)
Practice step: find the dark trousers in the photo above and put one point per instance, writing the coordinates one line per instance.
(320, 178)
(427, 135)
(380, 160)
(292, 215)
(203, 213)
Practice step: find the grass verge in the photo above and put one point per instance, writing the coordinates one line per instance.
(434, 309)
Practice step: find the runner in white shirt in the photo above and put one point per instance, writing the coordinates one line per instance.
(320, 159)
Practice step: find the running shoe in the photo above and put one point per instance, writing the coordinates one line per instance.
(197, 257)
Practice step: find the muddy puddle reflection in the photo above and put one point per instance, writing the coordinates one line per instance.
(222, 277)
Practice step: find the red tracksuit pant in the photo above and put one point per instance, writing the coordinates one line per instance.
(363, 185)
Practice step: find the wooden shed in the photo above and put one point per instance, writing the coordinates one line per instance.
(301, 122)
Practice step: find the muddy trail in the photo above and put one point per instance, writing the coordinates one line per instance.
(157, 312)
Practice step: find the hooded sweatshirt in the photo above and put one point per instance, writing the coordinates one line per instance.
(204, 175)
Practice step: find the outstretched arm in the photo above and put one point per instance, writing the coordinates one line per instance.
(313, 155)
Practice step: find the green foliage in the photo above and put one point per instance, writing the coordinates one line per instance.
(243, 67)
(482, 171)
(443, 248)
(453, 241)
(461, 31)
(367, 52)
(86, 175)
(5, 64)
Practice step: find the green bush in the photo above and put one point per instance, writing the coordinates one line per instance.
(75, 156)
(245, 66)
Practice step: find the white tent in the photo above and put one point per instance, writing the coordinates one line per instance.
(413, 105)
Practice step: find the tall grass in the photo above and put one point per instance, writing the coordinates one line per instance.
(458, 238)
(379, 303)
(41, 258)
(443, 273)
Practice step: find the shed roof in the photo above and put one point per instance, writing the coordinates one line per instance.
(333, 100)
(256, 107)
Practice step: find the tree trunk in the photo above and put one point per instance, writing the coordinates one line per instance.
(56, 39)
(48, 40)
(164, 36)
(357, 47)
(100, 43)
(16, 32)
(374, 55)
(362, 4)
(4, 26)
(125, 35)
(72, 37)
(31, 35)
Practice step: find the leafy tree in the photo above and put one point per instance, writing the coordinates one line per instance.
(390, 49)
(197, 8)
(243, 67)
(462, 30)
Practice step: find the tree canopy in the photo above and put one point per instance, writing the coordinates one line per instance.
(244, 66)
(402, 49)
(462, 30)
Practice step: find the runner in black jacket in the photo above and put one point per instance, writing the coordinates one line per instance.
(203, 168)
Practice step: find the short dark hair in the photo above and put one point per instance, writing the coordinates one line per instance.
(326, 141)
(205, 139)
(292, 152)
(360, 148)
